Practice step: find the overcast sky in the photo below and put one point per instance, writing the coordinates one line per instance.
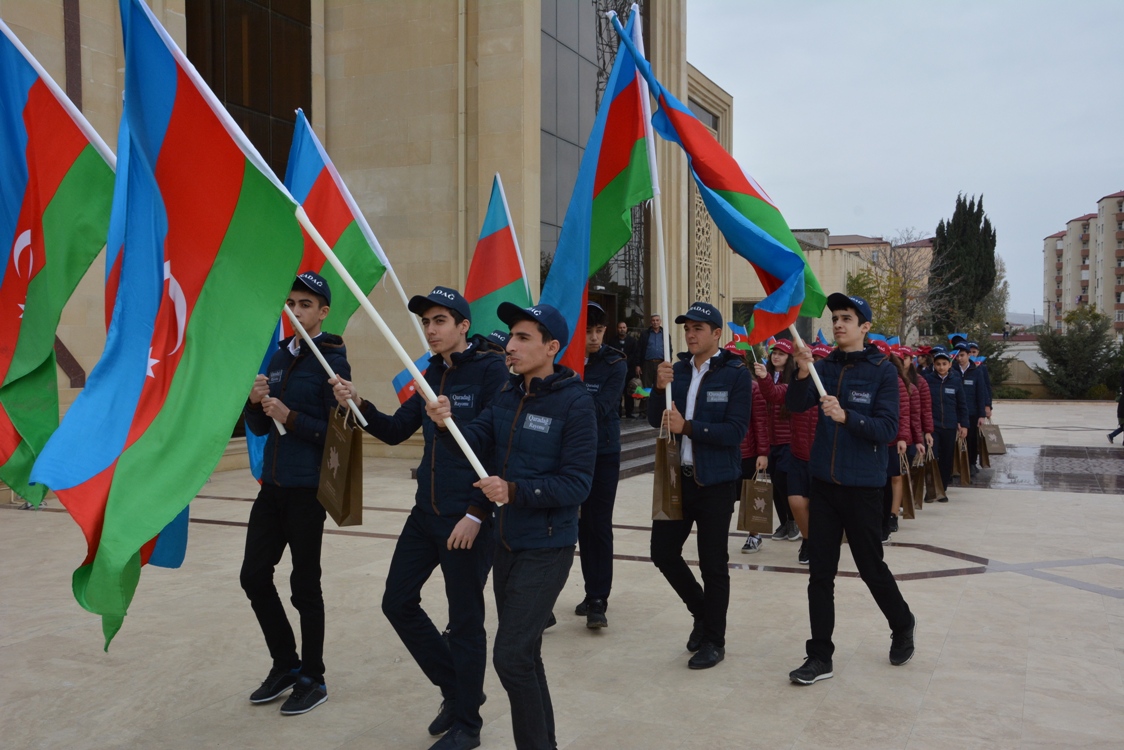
(867, 117)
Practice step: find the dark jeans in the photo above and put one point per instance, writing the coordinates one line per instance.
(779, 457)
(595, 527)
(835, 509)
(289, 516)
(456, 668)
(527, 584)
(944, 440)
(973, 440)
(709, 508)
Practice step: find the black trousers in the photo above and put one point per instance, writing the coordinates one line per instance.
(527, 584)
(289, 516)
(626, 394)
(457, 668)
(709, 509)
(832, 510)
(944, 440)
(973, 440)
(778, 471)
(595, 527)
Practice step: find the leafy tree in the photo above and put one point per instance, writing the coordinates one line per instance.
(863, 284)
(962, 272)
(1084, 356)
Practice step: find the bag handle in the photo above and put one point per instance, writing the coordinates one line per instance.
(665, 426)
(761, 475)
(903, 464)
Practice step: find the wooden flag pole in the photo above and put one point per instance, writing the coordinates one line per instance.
(811, 369)
(373, 314)
(323, 362)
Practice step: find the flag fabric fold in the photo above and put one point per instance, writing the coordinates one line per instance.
(496, 274)
(613, 177)
(210, 247)
(739, 206)
(55, 200)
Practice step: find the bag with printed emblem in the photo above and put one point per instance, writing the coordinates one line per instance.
(756, 512)
(341, 470)
(667, 485)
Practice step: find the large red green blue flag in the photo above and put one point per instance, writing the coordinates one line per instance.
(613, 177)
(743, 212)
(56, 186)
(211, 247)
(497, 273)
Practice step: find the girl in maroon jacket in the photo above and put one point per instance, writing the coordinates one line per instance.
(778, 423)
(892, 496)
(755, 452)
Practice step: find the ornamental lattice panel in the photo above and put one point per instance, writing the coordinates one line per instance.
(702, 247)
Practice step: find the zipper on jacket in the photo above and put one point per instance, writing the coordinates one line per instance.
(503, 474)
(433, 453)
(835, 437)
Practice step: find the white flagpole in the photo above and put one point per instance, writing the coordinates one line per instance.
(323, 362)
(514, 238)
(811, 369)
(663, 302)
(373, 314)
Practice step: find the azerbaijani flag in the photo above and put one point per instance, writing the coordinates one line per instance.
(744, 213)
(820, 339)
(613, 177)
(403, 382)
(741, 336)
(211, 247)
(497, 273)
(55, 194)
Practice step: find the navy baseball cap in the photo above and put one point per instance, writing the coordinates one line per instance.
(512, 313)
(840, 301)
(441, 296)
(939, 351)
(960, 348)
(703, 312)
(973, 345)
(499, 337)
(314, 282)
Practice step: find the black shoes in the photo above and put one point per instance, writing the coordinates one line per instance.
(306, 696)
(901, 644)
(583, 608)
(813, 670)
(443, 722)
(276, 682)
(802, 556)
(695, 639)
(595, 614)
(458, 739)
(708, 656)
(893, 523)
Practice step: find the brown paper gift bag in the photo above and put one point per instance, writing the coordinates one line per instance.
(907, 486)
(985, 457)
(756, 512)
(960, 463)
(992, 439)
(667, 486)
(934, 485)
(341, 470)
(917, 471)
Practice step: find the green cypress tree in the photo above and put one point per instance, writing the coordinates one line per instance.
(962, 272)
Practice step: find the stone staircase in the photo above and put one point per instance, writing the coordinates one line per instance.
(638, 447)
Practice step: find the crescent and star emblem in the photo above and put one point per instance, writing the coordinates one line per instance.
(179, 302)
(23, 244)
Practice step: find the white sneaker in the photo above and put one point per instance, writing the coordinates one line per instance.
(752, 544)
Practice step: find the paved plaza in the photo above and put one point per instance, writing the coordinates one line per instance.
(1017, 585)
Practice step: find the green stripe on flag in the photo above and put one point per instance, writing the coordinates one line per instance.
(365, 267)
(32, 403)
(162, 471)
(484, 317)
(611, 226)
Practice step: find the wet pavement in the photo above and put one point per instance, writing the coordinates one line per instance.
(1062, 468)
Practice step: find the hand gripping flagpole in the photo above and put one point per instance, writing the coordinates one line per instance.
(373, 314)
(323, 362)
(811, 368)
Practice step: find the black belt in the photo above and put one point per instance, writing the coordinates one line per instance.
(688, 470)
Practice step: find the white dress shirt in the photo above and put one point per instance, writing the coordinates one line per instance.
(686, 452)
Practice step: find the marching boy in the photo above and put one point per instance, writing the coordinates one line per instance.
(858, 417)
(296, 393)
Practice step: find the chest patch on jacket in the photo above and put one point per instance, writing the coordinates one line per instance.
(717, 397)
(462, 400)
(859, 397)
(275, 376)
(950, 391)
(593, 387)
(969, 382)
(537, 423)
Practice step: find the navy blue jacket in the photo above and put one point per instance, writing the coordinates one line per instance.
(950, 410)
(721, 416)
(293, 459)
(545, 446)
(605, 373)
(975, 389)
(985, 376)
(866, 383)
(445, 476)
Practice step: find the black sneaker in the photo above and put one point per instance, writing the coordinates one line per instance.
(276, 682)
(886, 534)
(802, 556)
(458, 739)
(306, 696)
(444, 719)
(694, 641)
(583, 608)
(901, 644)
(708, 656)
(813, 670)
(893, 523)
(595, 614)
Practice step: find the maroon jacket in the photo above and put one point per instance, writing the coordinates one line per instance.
(926, 406)
(756, 440)
(779, 428)
(915, 415)
(904, 429)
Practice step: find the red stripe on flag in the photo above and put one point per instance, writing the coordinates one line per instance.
(574, 357)
(767, 323)
(716, 168)
(53, 144)
(112, 283)
(329, 212)
(503, 265)
(624, 126)
(86, 504)
(199, 172)
(9, 437)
